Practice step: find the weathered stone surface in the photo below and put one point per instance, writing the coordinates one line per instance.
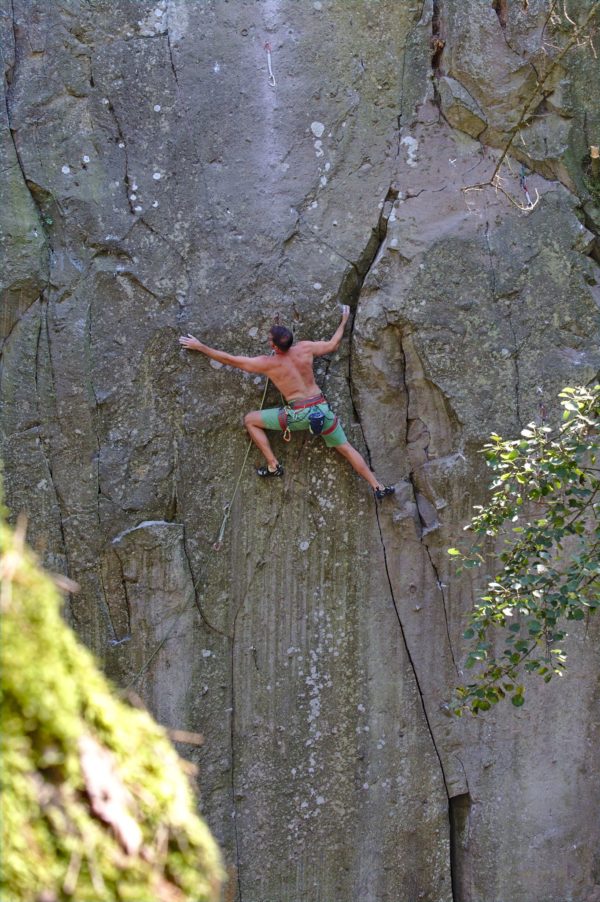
(316, 650)
(160, 614)
(22, 241)
(460, 109)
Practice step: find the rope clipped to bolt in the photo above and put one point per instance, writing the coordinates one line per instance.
(523, 184)
(268, 48)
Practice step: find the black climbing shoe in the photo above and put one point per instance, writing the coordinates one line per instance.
(384, 491)
(264, 471)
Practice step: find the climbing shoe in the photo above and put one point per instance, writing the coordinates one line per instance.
(264, 471)
(384, 491)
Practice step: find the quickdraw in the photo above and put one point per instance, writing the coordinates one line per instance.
(282, 416)
(523, 184)
(272, 81)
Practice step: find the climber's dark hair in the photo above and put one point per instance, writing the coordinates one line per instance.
(282, 338)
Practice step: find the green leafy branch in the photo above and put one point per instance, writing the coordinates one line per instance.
(543, 515)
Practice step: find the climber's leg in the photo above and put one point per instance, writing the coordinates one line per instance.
(256, 430)
(358, 462)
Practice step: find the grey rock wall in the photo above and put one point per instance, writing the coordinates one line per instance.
(155, 184)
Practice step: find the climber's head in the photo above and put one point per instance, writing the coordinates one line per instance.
(281, 338)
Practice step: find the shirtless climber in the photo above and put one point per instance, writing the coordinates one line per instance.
(291, 371)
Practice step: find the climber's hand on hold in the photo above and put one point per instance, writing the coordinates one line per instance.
(190, 343)
(345, 312)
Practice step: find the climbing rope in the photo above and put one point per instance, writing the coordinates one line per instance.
(218, 544)
(272, 81)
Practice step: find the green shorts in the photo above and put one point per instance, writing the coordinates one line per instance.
(298, 420)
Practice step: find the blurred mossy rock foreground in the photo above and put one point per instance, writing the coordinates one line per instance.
(95, 804)
(157, 183)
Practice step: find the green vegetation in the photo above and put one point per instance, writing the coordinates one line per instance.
(95, 805)
(543, 515)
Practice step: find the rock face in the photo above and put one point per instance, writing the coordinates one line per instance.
(160, 181)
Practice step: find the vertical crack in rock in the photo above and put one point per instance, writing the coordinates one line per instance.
(10, 66)
(353, 279)
(26, 181)
(351, 289)
(9, 78)
(197, 601)
(437, 40)
(170, 49)
(457, 820)
(437, 45)
(440, 586)
(233, 771)
(116, 639)
(459, 813)
(500, 7)
(402, 633)
(411, 478)
(173, 505)
(516, 349)
(121, 141)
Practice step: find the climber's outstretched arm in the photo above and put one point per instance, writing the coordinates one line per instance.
(249, 364)
(319, 348)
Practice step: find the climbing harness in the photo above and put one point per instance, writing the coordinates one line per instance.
(307, 402)
(218, 544)
(272, 81)
(316, 418)
(333, 426)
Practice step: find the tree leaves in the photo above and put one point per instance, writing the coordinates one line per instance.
(543, 518)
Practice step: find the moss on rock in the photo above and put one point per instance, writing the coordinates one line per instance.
(95, 802)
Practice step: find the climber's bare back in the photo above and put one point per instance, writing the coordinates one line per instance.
(292, 372)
